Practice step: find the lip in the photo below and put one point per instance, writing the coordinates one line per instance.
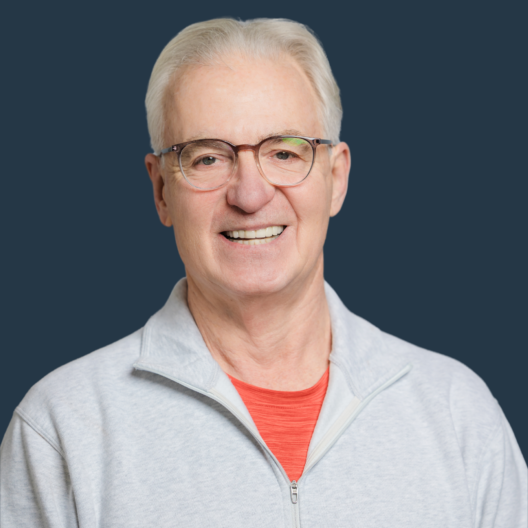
(258, 247)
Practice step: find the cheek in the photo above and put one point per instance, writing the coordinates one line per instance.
(313, 202)
(191, 213)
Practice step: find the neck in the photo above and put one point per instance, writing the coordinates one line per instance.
(279, 341)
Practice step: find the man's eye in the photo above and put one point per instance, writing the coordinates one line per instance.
(209, 160)
(283, 155)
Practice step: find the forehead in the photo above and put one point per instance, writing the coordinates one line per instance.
(242, 100)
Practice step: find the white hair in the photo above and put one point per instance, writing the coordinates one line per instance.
(205, 43)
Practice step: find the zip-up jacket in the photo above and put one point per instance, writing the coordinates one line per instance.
(150, 432)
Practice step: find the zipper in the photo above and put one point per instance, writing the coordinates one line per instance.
(294, 492)
(341, 425)
(294, 496)
(344, 421)
(217, 397)
(326, 443)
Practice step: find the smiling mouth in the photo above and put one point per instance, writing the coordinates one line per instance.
(252, 238)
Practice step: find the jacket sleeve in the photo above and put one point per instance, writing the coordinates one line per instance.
(35, 486)
(502, 492)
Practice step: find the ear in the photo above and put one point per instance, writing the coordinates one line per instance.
(340, 166)
(153, 165)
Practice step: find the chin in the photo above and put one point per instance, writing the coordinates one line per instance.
(252, 282)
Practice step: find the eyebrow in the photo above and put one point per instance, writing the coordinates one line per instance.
(288, 132)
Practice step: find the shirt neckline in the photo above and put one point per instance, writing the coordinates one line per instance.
(283, 395)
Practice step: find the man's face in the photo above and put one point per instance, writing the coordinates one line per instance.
(244, 102)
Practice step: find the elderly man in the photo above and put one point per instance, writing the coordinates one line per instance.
(254, 397)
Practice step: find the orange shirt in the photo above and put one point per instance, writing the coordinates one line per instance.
(285, 420)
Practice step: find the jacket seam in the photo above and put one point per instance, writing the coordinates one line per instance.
(39, 431)
(213, 378)
(487, 444)
(471, 498)
(488, 441)
(29, 421)
(148, 332)
(344, 370)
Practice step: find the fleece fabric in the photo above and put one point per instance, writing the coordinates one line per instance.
(150, 431)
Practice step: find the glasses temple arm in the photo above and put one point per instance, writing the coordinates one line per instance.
(165, 150)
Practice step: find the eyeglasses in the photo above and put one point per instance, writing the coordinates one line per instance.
(208, 164)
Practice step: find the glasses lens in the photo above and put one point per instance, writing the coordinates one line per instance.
(207, 164)
(286, 161)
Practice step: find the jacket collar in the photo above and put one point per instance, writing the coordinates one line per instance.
(172, 345)
(367, 355)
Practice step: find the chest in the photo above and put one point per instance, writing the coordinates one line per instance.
(196, 465)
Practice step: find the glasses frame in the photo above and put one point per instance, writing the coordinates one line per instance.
(314, 143)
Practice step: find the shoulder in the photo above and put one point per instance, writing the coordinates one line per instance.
(436, 368)
(451, 389)
(75, 387)
(440, 372)
(436, 385)
(93, 368)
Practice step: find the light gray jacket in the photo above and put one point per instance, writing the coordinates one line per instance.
(149, 432)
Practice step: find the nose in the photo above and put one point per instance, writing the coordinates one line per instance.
(248, 190)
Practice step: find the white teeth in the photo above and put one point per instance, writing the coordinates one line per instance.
(255, 241)
(256, 234)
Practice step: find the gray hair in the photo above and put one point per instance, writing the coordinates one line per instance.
(205, 43)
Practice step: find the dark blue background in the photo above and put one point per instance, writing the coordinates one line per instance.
(431, 244)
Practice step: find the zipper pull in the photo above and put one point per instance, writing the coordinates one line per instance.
(294, 492)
